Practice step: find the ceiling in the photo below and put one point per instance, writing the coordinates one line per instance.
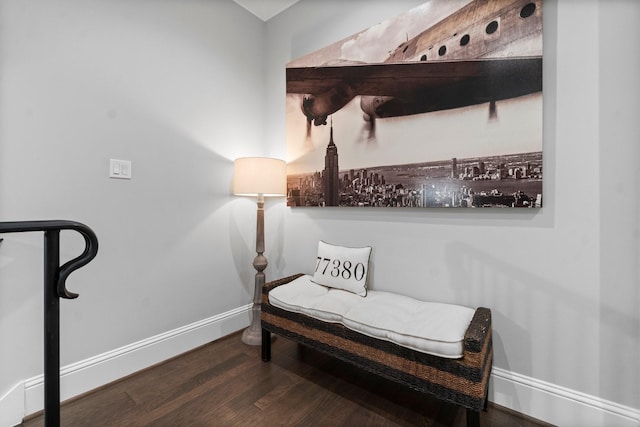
(265, 9)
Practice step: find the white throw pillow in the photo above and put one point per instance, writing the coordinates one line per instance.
(342, 267)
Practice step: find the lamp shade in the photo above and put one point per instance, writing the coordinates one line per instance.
(259, 175)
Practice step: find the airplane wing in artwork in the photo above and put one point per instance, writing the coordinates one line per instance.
(399, 89)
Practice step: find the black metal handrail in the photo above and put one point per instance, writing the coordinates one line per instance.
(55, 277)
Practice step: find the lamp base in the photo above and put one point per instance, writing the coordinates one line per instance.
(252, 336)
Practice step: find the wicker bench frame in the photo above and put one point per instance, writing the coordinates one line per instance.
(464, 381)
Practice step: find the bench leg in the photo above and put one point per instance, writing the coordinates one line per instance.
(473, 418)
(266, 345)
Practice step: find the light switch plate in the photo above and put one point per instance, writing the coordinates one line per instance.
(120, 169)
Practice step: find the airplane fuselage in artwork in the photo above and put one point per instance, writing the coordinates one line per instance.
(487, 51)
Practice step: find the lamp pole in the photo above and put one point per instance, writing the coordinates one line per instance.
(253, 334)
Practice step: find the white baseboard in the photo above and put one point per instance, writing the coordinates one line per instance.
(102, 369)
(547, 402)
(557, 405)
(12, 406)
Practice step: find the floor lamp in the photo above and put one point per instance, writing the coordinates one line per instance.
(261, 177)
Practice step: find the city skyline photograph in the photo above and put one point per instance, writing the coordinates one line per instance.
(418, 97)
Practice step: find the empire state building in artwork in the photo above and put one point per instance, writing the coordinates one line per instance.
(331, 177)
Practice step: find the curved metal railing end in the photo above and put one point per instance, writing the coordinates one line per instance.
(89, 253)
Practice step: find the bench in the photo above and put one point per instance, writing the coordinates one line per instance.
(463, 381)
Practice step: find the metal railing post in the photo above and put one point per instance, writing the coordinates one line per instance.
(51, 329)
(54, 289)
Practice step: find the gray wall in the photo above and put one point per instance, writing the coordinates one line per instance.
(177, 88)
(562, 281)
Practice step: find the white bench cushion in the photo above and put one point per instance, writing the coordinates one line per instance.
(428, 327)
(304, 296)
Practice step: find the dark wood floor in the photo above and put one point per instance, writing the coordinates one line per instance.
(225, 383)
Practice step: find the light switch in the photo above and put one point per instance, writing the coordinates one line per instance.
(120, 169)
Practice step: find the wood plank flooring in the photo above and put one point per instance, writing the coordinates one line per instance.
(225, 383)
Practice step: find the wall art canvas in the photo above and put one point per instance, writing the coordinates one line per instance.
(438, 107)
